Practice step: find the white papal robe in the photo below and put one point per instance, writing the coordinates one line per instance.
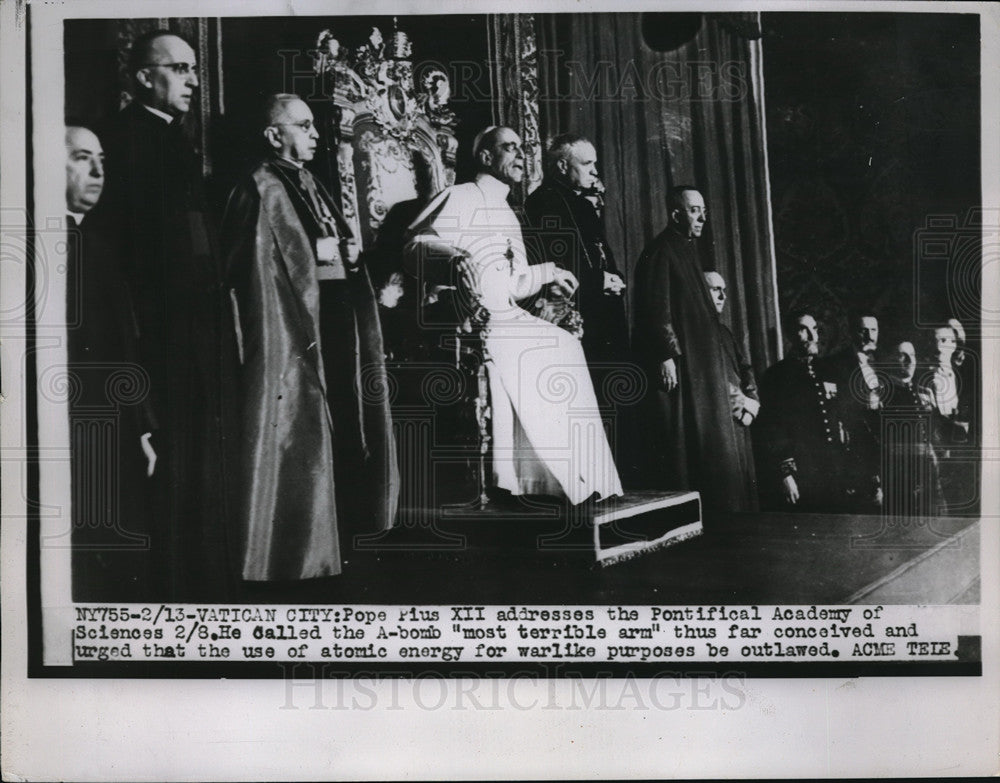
(548, 438)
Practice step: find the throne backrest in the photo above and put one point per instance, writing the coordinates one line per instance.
(395, 139)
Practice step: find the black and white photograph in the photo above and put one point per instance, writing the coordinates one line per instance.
(635, 360)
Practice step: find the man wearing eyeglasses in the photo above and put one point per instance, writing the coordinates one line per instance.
(318, 461)
(154, 209)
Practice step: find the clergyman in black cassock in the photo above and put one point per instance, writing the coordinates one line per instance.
(154, 210)
(108, 400)
(692, 440)
(568, 230)
(744, 399)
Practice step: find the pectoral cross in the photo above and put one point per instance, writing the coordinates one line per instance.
(509, 255)
(603, 263)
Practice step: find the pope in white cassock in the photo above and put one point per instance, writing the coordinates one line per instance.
(547, 433)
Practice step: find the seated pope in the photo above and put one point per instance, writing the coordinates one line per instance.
(547, 435)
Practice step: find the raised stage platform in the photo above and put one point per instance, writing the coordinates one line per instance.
(762, 558)
(605, 533)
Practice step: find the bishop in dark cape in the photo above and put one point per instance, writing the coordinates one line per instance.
(318, 461)
(692, 441)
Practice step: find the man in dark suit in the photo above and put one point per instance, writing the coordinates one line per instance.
(801, 444)
(569, 231)
(861, 393)
(318, 462)
(155, 211)
(912, 483)
(110, 420)
(692, 437)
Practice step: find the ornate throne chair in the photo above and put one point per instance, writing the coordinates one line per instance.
(391, 146)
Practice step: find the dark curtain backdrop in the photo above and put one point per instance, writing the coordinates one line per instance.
(874, 134)
(692, 115)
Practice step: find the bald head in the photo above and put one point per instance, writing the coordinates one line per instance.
(290, 130)
(687, 210)
(276, 107)
(84, 169)
(717, 288)
(165, 71)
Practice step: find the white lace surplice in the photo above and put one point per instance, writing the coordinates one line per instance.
(547, 432)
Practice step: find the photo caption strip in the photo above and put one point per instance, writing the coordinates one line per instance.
(367, 634)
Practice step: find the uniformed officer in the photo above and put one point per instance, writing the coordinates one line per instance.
(799, 436)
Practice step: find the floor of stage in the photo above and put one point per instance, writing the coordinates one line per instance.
(762, 558)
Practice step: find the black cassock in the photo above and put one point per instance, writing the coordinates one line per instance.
(154, 209)
(566, 229)
(741, 377)
(691, 440)
(109, 411)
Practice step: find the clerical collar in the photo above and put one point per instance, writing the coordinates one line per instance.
(677, 231)
(77, 216)
(561, 185)
(492, 187)
(168, 118)
(289, 162)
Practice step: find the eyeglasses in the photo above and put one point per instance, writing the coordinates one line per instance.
(181, 69)
(305, 125)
